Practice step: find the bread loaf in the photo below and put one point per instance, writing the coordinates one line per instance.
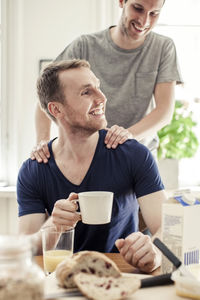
(90, 262)
(106, 288)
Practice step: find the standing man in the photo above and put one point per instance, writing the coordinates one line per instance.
(138, 71)
(70, 94)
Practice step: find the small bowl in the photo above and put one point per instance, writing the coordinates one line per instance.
(185, 285)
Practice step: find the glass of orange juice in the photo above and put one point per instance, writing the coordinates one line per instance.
(56, 246)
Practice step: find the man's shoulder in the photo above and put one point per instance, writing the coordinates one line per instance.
(29, 163)
(90, 36)
(160, 38)
(131, 146)
(96, 33)
(29, 167)
(95, 36)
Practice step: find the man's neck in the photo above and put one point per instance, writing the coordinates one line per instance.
(74, 155)
(123, 41)
(75, 147)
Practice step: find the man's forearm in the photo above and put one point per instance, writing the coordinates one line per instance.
(158, 117)
(150, 125)
(36, 237)
(42, 124)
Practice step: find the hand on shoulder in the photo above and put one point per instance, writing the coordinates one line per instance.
(117, 135)
(41, 152)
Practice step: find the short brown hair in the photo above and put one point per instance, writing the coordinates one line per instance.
(49, 87)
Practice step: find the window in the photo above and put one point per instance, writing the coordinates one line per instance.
(0, 88)
(3, 103)
(180, 21)
(184, 28)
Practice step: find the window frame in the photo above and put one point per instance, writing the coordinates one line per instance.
(3, 99)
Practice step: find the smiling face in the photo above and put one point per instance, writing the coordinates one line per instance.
(139, 17)
(84, 107)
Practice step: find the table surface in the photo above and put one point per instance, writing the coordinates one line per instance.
(117, 258)
(152, 293)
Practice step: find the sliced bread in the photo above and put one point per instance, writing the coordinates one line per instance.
(106, 288)
(90, 262)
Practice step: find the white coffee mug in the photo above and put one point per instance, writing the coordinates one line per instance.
(95, 207)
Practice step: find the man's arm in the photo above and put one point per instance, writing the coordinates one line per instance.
(152, 122)
(43, 127)
(42, 124)
(138, 249)
(31, 225)
(160, 116)
(151, 209)
(64, 215)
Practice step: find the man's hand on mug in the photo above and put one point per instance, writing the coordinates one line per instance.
(139, 251)
(64, 214)
(41, 152)
(117, 135)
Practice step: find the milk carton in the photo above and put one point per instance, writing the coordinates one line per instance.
(181, 228)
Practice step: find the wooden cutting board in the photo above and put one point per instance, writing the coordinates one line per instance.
(153, 293)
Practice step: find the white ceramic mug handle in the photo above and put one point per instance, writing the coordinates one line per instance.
(75, 201)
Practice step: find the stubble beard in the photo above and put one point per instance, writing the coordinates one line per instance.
(79, 125)
(126, 31)
(123, 29)
(87, 129)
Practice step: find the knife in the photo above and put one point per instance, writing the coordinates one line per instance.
(163, 279)
(174, 259)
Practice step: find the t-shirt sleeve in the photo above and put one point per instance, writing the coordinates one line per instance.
(75, 50)
(28, 195)
(146, 175)
(169, 69)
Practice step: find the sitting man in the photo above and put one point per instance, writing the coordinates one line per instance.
(70, 94)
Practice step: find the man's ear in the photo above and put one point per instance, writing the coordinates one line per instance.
(54, 109)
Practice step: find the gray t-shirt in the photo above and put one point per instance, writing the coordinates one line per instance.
(128, 77)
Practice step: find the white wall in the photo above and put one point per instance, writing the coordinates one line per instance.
(40, 29)
(35, 30)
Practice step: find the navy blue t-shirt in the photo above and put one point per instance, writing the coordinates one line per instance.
(129, 171)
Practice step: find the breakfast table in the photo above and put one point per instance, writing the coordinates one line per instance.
(116, 257)
(166, 292)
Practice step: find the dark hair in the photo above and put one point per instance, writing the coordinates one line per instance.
(49, 87)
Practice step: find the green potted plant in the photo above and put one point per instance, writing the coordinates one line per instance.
(177, 141)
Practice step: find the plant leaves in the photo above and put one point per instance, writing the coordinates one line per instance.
(178, 140)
